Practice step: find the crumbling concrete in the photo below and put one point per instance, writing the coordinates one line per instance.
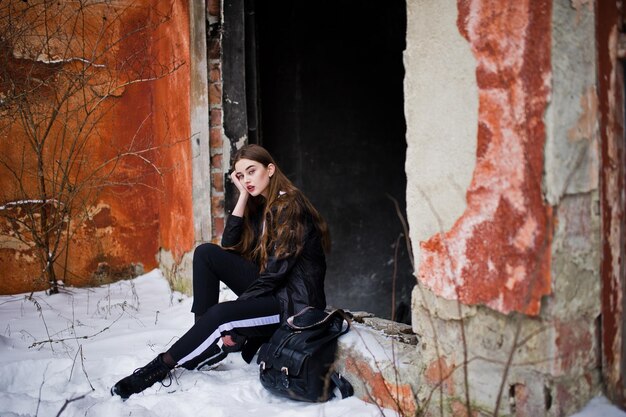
(441, 138)
(177, 272)
(507, 305)
(199, 122)
(381, 365)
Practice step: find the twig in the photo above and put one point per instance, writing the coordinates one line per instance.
(40, 310)
(79, 337)
(82, 362)
(394, 278)
(43, 381)
(405, 228)
(71, 400)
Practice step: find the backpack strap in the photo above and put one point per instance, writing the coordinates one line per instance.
(313, 317)
(344, 386)
(335, 335)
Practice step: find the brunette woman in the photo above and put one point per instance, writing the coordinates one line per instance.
(272, 257)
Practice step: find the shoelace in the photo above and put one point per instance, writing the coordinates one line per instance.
(153, 373)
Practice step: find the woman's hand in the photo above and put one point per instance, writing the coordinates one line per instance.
(240, 207)
(228, 340)
(238, 184)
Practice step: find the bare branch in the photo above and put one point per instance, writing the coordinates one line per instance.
(51, 341)
(60, 72)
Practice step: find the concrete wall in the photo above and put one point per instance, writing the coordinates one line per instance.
(502, 197)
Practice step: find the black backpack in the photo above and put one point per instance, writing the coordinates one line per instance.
(297, 362)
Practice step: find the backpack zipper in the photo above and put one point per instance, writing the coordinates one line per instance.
(280, 347)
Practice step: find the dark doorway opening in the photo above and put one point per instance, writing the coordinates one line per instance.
(328, 88)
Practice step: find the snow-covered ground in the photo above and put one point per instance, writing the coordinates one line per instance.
(60, 355)
(101, 335)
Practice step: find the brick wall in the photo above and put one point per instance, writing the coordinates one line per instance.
(216, 135)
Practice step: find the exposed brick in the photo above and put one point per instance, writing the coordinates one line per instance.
(217, 181)
(217, 206)
(216, 117)
(216, 161)
(218, 228)
(215, 48)
(215, 94)
(213, 7)
(215, 140)
(215, 72)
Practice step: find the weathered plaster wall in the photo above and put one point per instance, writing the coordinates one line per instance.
(150, 205)
(199, 102)
(172, 102)
(441, 114)
(505, 207)
(572, 169)
(507, 299)
(571, 153)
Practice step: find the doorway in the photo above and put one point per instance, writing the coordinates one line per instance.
(328, 94)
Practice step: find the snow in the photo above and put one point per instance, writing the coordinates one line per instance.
(75, 345)
(600, 407)
(102, 334)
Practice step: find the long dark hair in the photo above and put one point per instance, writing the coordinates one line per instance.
(285, 213)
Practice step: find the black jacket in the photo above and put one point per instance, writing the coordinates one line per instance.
(297, 282)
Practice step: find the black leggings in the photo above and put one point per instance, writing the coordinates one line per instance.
(255, 317)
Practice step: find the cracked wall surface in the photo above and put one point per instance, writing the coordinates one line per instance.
(140, 65)
(504, 203)
(508, 274)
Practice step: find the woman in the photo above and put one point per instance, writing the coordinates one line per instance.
(272, 257)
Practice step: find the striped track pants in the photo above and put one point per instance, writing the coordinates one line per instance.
(256, 317)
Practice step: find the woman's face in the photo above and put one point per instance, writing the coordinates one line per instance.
(254, 176)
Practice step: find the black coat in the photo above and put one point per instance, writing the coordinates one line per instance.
(297, 282)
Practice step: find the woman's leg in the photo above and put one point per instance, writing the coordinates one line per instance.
(212, 264)
(258, 317)
(254, 317)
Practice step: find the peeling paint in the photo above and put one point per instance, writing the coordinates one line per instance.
(587, 124)
(132, 220)
(506, 220)
(439, 372)
(13, 243)
(610, 98)
(395, 396)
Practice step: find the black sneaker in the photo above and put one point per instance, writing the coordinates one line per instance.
(143, 378)
(211, 356)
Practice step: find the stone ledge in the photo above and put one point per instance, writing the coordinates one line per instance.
(381, 364)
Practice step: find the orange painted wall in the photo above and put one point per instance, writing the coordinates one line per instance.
(171, 126)
(149, 205)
